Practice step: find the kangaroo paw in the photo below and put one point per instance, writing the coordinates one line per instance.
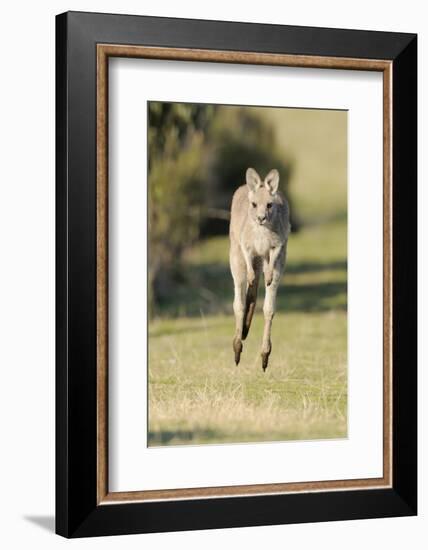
(237, 348)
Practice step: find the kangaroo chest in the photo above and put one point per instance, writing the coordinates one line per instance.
(261, 245)
(260, 241)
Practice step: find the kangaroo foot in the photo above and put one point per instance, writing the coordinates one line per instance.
(265, 358)
(237, 348)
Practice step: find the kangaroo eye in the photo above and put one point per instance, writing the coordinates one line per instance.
(254, 204)
(269, 205)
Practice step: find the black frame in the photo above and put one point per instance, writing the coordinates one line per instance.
(77, 513)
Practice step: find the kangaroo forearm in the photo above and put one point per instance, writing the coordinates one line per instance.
(275, 252)
(248, 258)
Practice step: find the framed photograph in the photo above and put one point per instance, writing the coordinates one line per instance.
(236, 274)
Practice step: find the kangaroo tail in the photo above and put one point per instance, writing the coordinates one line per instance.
(250, 306)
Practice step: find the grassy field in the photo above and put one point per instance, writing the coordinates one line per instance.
(198, 395)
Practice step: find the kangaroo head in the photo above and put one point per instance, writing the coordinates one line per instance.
(262, 195)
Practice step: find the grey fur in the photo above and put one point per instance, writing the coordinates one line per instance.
(259, 229)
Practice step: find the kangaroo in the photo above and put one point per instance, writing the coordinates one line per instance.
(259, 229)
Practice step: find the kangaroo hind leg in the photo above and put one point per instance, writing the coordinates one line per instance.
(251, 298)
(239, 274)
(269, 306)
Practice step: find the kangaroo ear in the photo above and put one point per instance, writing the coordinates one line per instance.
(253, 179)
(272, 181)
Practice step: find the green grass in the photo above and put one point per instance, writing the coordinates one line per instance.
(197, 394)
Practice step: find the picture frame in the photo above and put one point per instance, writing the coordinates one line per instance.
(84, 44)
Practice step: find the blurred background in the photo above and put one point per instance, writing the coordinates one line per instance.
(198, 155)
